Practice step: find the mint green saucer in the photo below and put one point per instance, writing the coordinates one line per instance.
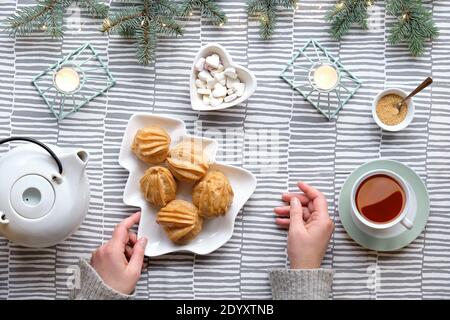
(390, 243)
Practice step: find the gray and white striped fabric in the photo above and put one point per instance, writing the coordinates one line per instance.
(299, 144)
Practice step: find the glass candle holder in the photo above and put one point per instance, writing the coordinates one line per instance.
(324, 76)
(68, 79)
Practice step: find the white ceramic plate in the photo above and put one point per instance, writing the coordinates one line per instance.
(245, 75)
(215, 232)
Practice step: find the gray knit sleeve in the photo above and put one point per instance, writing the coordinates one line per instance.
(312, 284)
(92, 287)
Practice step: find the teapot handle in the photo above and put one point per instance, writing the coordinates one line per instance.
(52, 154)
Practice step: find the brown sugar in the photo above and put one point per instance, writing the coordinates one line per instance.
(387, 112)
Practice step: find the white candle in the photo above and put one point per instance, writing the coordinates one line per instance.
(325, 77)
(67, 79)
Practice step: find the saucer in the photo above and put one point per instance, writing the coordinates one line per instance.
(398, 236)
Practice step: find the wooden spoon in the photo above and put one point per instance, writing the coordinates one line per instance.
(422, 86)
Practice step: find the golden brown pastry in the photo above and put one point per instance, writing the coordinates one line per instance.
(158, 186)
(213, 195)
(151, 144)
(187, 162)
(180, 220)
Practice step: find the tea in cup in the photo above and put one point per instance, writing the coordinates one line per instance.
(380, 200)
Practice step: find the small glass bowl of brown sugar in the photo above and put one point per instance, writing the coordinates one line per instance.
(387, 115)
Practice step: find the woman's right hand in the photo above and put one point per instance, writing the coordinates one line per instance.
(309, 224)
(119, 261)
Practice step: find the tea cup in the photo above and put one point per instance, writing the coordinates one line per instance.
(400, 219)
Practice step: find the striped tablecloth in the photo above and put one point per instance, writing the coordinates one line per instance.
(294, 142)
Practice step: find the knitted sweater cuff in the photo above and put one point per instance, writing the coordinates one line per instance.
(92, 286)
(311, 284)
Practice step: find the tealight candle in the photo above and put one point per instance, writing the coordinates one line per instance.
(67, 80)
(326, 77)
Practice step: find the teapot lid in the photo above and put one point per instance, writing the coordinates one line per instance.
(28, 180)
(32, 196)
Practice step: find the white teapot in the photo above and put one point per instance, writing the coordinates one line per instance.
(44, 193)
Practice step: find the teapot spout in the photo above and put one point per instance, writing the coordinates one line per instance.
(75, 160)
(83, 156)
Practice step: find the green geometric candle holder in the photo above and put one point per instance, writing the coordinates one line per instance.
(327, 97)
(73, 81)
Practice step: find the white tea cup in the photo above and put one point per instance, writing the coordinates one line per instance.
(400, 219)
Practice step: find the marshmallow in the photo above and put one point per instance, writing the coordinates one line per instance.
(239, 88)
(230, 97)
(215, 102)
(213, 61)
(204, 75)
(200, 84)
(231, 82)
(204, 91)
(199, 66)
(219, 91)
(231, 73)
(211, 83)
(216, 83)
(219, 76)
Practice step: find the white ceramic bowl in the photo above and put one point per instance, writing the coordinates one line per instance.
(216, 232)
(245, 75)
(409, 116)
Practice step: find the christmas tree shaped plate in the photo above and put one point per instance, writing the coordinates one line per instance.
(215, 232)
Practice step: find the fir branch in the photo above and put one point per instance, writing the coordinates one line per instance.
(414, 25)
(168, 26)
(47, 16)
(128, 18)
(54, 23)
(163, 7)
(266, 12)
(144, 22)
(95, 8)
(27, 20)
(147, 39)
(208, 9)
(345, 14)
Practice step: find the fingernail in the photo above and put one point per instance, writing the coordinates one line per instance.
(294, 201)
(143, 242)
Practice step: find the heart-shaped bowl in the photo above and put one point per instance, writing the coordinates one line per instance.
(245, 75)
(215, 232)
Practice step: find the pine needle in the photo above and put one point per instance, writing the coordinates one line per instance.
(266, 12)
(345, 14)
(144, 23)
(208, 9)
(414, 25)
(47, 16)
